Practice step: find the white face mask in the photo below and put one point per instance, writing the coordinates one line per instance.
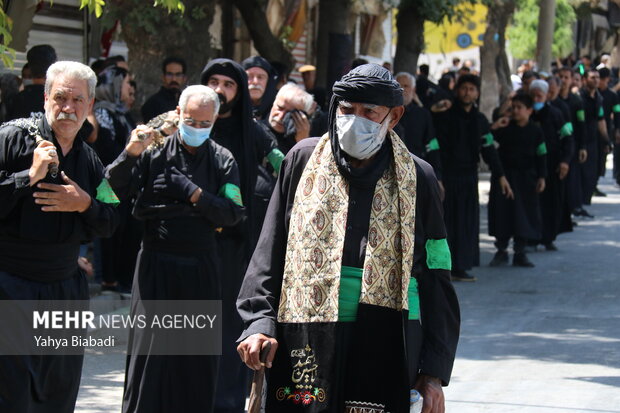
(359, 137)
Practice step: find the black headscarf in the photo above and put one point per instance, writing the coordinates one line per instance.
(269, 94)
(369, 83)
(242, 110)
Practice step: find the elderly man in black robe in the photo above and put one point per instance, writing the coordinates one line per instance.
(353, 249)
(53, 196)
(250, 144)
(185, 190)
(261, 85)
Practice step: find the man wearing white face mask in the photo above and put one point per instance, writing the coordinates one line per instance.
(185, 190)
(350, 279)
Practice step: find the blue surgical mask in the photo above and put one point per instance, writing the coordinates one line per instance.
(538, 106)
(194, 136)
(359, 137)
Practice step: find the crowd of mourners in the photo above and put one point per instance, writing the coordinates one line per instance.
(546, 148)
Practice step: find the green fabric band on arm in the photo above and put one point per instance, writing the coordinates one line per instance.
(601, 113)
(542, 149)
(231, 192)
(567, 130)
(106, 194)
(432, 145)
(275, 158)
(351, 288)
(487, 139)
(414, 300)
(616, 108)
(438, 254)
(581, 115)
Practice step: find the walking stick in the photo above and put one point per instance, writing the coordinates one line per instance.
(258, 380)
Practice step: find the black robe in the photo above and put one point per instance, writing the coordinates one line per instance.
(555, 209)
(520, 151)
(407, 346)
(179, 241)
(611, 108)
(573, 180)
(593, 108)
(463, 137)
(416, 130)
(44, 384)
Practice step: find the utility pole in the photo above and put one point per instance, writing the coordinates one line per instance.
(546, 23)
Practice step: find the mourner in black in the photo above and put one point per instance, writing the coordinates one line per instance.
(463, 134)
(261, 85)
(522, 151)
(174, 76)
(249, 143)
(416, 128)
(185, 190)
(310, 287)
(116, 255)
(30, 100)
(611, 109)
(53, 196)
(295, 116)
(573, 180)
(556, 213)
(595, 125)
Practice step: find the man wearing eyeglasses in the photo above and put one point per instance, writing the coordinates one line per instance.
(173, 81)
(184, 191)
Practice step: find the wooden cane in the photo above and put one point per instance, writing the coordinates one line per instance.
(258, 380)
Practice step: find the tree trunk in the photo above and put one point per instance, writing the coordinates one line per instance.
(152, 35)
(268, 46)
(494, 68)
(333, 19)
(410, 42)
(545, 35)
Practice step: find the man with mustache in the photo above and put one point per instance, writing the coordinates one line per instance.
(173, 78)
(53, 196)
(261, 85)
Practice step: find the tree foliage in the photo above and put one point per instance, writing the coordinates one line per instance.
(522, 34)
(6, 25)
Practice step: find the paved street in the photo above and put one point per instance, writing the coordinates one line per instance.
(543, 340)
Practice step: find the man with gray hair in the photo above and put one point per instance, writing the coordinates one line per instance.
(186, 189)
(53, 196)
(295, 116)
(559, 149)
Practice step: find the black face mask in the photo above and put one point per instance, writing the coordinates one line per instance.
(226, 106)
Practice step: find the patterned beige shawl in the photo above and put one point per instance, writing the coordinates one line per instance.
(316, 236)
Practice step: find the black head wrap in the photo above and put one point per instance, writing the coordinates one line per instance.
(242, 110)
(269, 94)
(468, 78)
(368, 83)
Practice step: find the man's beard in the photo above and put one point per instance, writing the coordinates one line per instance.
(225, 105)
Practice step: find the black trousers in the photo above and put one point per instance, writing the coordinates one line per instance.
(35, 383)
(518, 244)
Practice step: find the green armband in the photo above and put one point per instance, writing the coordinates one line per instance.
(616, 108)
(581, 115)
(542, 149)
(232, 192)
(601, 112)
(566, 130)
(432, 145)
(106, 194)
(487, 140)
(275, 158)
(438, 254)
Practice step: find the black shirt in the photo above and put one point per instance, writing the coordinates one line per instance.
(163, 101)
(25, 103)
(52, 237)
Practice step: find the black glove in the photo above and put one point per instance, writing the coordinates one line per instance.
(173, 184)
